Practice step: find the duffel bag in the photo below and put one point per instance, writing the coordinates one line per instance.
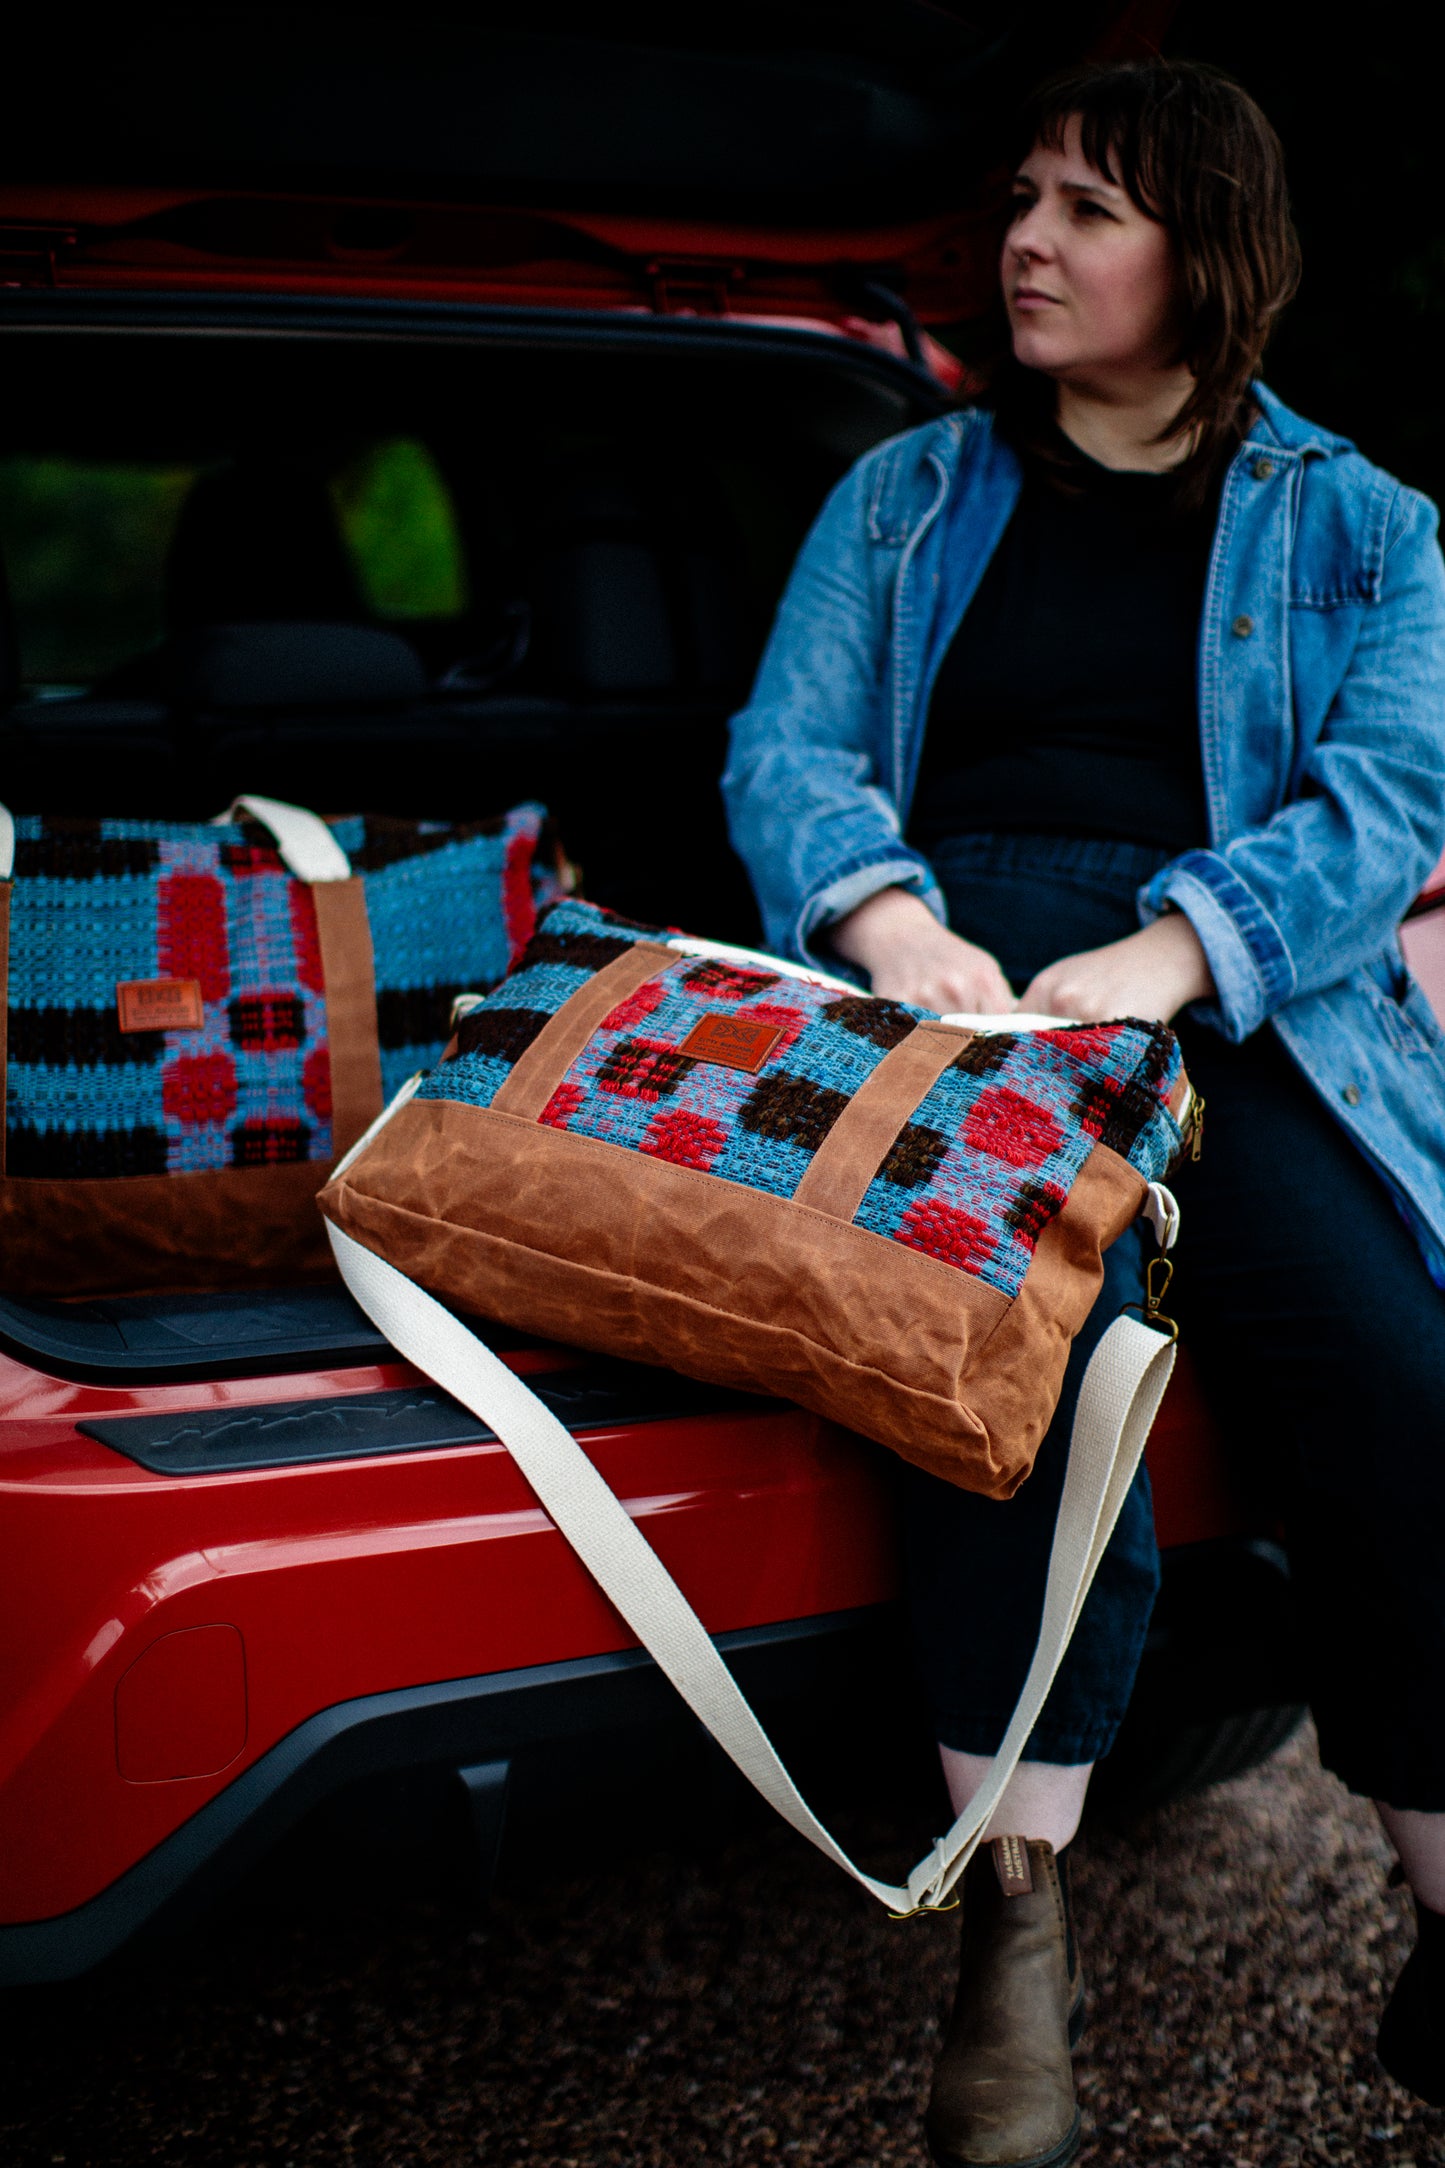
(759, 1176)
(196, 1021)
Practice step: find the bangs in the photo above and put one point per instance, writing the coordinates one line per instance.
(1114, 134)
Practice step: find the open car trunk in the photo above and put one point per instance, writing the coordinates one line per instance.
(426, 560)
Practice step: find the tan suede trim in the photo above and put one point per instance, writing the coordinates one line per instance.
(1019, 1379)
(235, 1227)
(859, 1141)
(4, 1008)
(570, 1237)
(349, 970)
(551, 1054)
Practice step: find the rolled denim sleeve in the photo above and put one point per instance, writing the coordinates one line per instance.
(1294, 904)
(806, 810)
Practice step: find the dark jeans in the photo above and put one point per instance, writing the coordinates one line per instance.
(1320, 1340)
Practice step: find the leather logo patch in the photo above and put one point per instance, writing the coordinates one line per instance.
(160, 1005)
(1011, 1865)
(732, 1042)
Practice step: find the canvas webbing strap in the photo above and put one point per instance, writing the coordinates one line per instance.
(1122, 1388)
(540, 1067)
(348, 972)
(307, 847)
(850, 1156)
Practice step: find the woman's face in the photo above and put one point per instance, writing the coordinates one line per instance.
(1091, 284)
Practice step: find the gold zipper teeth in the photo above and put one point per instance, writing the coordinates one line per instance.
(1194, 1128)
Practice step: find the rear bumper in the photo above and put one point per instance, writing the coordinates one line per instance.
(475, 1726)
(1222, 1642)
(164, 1633)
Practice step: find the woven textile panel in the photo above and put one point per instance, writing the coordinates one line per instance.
(100, 904)
(986, 1162)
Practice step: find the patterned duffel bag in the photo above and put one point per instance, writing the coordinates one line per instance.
(759, 1176)
(196, 1021)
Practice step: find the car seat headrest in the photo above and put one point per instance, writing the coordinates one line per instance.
(295, 666)
(629, 588)
(259, 543)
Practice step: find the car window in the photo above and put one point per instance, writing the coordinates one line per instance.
(400, 527)
(85, 544)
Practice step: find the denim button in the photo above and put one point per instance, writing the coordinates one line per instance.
(1242, 627)
(1263, 469)
(1351, 1095)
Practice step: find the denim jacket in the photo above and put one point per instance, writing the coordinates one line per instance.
(1321, 681)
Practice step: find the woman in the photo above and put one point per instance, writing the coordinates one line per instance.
(1128, 697)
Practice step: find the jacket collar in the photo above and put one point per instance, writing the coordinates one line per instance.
(1274, 424)
(1277, 424)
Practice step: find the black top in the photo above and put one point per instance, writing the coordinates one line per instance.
(1066, 702)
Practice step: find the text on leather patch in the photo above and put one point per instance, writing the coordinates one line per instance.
(1011, 1865)
(160, 1005)
(732, 1042)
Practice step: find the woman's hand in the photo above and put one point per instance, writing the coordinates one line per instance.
(1151, 973)
(908, 956)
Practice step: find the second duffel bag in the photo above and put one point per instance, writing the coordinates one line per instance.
(198, 1020)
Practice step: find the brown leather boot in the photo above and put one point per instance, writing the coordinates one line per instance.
(1003, 2091)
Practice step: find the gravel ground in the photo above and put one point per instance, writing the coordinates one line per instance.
(742, 2007)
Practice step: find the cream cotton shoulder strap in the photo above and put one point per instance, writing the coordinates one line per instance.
(1121, 1392)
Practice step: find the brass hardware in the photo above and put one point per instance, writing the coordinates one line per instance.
(951, 1906)
(1157, 1276)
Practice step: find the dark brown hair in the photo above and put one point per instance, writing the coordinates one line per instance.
(1191, 149)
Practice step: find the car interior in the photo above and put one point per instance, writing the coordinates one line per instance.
(419, 575)
(430, 579)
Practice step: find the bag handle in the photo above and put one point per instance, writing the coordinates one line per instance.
(307, 846)
(1120, 1396)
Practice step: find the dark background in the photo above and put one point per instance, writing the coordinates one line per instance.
(1358, 106)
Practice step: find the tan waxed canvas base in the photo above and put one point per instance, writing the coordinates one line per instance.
(233, 1227)
(610, 1249)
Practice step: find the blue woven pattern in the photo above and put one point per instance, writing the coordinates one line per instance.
(98, 903)
(993, 1150)
(984, 1165)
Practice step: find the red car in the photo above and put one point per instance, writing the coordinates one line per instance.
(503, 380)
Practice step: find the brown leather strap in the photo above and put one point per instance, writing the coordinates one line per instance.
(4, 1006)
(349, 970)
(551, 1054)
(857, 1144)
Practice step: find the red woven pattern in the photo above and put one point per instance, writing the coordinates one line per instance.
(191, 932)
(198, 1089)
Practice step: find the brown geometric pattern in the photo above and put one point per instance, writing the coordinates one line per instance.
(885, 1023)
(985, 1053)
(792, 1110)
(914, 1156)
(507, 1032)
